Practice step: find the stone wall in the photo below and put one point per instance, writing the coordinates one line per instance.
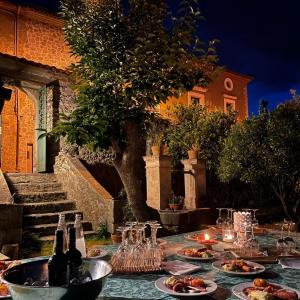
(5, 195)
(97, 205)
(34, 35)
(11, 224)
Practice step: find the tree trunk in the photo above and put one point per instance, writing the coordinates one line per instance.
(131, 168)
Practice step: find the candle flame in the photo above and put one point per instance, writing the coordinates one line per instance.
(206, 236)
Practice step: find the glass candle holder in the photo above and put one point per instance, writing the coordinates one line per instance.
(228, 235)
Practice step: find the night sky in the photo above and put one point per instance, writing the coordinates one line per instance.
(258, 38)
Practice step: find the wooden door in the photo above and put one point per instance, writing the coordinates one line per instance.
(29, 158)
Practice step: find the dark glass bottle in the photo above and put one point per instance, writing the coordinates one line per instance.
(58, 263)
(74, 257)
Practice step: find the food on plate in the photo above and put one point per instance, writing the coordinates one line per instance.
(237, 265)
(194, 252)
(3, 290)
(260, 295)
(94, 252)
(185, 284)
(263, 290)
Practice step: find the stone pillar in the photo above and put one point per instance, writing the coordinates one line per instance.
(158, 176)
(194, 182)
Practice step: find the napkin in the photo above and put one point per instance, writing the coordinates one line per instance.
(178, 267)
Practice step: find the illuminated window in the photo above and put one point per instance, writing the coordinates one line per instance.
(196, 99)
(229, 105)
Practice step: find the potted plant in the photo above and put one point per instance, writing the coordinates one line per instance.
(193, 152)
(156, 144)
(176, 202)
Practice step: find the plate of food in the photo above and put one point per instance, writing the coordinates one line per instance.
(185, 286)
(202, 254)
(96, 253)
(238, 267)
(261, 289)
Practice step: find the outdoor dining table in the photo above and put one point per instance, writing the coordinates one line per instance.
(142, 286)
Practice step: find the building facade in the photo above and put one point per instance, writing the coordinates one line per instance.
(35, 39)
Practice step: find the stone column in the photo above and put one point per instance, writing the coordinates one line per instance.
(194, 182)
(158, 176)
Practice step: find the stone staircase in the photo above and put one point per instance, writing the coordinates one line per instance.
(43, 200)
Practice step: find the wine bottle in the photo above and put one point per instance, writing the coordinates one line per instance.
(74, 257)
(63, 226)
(58, 263)
(80, 242)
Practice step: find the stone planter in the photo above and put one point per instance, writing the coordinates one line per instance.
(175, 206)
(155, 150)
(193, 154)
(175, 221)
(116, 238)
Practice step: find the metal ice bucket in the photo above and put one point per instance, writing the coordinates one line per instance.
(38, 271)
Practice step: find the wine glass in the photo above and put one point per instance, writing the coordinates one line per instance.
(220, 220)
(289, 240)
(254, 220)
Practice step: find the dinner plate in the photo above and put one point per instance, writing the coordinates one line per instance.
(103, 253)
(211, 287)
(238, 289)
(291, 263)
(260, 269)
(215, 255)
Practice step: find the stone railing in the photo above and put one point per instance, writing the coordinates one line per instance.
(96, 203)
(5, 195)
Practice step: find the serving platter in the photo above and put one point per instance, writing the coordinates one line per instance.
(238, 290)
(259, 268)
(210, 288)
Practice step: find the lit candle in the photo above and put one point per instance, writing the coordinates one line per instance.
(228, 236)
(206, 237)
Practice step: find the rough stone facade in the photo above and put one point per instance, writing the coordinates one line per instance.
(18, 133)
(217, 95)
(5, 195)
(37, 37)
(97, 205)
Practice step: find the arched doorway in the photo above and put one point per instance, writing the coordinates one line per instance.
(18, 143)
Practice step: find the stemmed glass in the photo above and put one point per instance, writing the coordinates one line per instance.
(220, 220)
(254, 220)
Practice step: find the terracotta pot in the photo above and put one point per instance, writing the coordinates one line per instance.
(155, 150)
(193, 154)
(116, 238)
(175, 206)
(165, 150)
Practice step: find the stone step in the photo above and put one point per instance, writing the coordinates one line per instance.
(50, 238)
(40, 197)
(49, 229)
(36, 187)
(14, 178)
(48, 207)
(48, 218)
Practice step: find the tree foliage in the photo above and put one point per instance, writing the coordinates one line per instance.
(131, 59)
(131, 56)
(197, 127)
(265, 150)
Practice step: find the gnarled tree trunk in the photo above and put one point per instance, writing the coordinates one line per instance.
(131, 168)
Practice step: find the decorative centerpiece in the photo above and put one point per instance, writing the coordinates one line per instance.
(208, 241)
(138, 254)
